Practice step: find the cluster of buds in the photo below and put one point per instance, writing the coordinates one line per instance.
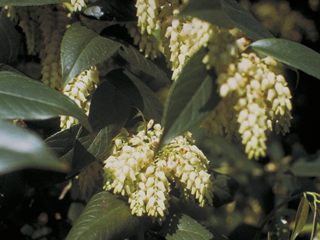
(27, 19)
(78, 4)
(147, 42)
(257, 99)
(80, 90)
(254, 96)
(53, 23)
(146, 178)
(152, 16)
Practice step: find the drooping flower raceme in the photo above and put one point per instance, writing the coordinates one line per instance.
(255, 96)
(147, 179)
(80, 90)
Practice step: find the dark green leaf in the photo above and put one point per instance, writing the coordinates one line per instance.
(29, 2)
(82, 48)
(138, 93)
(301, 217)
(21, 149)
(22, 97)
(139, 61)
(9, 39)
(63, 141)
(224, 187)
(191, 98)
(81, 158)
(291, 53)
(243, 20)
(113, 10)
(278, 228)
(181, 226)
(209, 11)
(12, 190)
(109, 112)
(106, 217)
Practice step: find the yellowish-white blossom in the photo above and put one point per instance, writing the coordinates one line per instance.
(78, 5)
(133, 170)
(80, 90)
(255, 96)
(260, 100)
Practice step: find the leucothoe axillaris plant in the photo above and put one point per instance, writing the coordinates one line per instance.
(152, 171)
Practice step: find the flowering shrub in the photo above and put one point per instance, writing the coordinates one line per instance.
(126, 83)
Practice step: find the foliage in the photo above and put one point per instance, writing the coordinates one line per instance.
(123, 103)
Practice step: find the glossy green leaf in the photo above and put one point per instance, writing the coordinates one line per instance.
(139, 94)
(21, 149)
(139, 61)
(109, 111)
(63, 141)
(191, 98)
(9, 39)
(82, 48)
(209, 11)
(278, 228)
(301, 217)
(29, 2)
(243, 20)
(25, 98)
(182, 226)
(291, 53)
(106, 217)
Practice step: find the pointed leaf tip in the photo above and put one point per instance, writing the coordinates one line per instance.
(82, 48)
(191, 98)
(301, 217)
(291, 53)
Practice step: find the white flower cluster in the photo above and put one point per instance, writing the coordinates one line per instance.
(134, 171)
(80, 90)
(254, 96)
(78, 4)
(259, 100)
